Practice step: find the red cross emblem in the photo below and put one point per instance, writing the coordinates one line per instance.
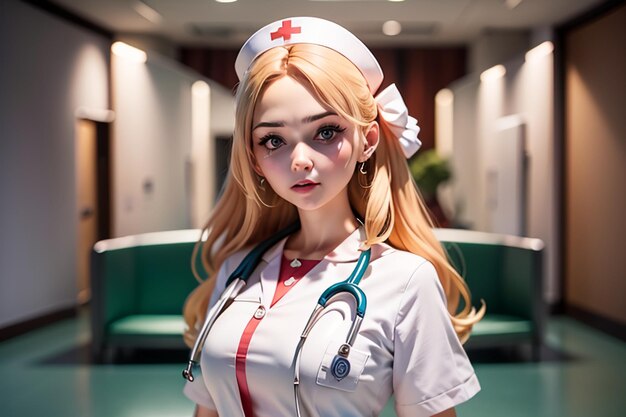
(285, 31)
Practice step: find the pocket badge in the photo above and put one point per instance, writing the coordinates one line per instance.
(340, 372)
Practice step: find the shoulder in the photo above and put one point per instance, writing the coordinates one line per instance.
(234, 259)
(408, 270)
(400, 261)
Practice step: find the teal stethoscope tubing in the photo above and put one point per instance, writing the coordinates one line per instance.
(239, 278)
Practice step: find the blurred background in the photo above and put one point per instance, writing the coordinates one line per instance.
(116, 117)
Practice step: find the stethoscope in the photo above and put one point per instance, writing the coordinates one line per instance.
(340, 365)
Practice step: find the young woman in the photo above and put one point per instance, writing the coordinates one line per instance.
(315, 145)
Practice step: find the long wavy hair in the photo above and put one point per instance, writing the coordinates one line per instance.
(387, 199)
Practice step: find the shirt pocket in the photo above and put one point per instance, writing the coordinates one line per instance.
(357, 361)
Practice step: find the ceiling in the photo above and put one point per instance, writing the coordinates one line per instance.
(424, 22)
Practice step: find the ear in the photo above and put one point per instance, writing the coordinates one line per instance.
(371, 138)
(256, 167)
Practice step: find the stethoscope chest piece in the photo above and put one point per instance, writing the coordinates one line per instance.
(340, 366)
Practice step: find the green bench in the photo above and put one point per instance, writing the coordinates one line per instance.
(139, 284)
(507, 272)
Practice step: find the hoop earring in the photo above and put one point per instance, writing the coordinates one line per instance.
(359, 177)
(262, 183)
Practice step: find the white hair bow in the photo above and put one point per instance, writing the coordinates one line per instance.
(392, 109)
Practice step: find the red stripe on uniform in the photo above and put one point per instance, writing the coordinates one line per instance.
(286, 271)
(240, 366)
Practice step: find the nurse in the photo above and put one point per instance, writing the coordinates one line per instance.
(316, 142)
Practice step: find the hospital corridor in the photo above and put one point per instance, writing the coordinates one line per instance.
(301, 208)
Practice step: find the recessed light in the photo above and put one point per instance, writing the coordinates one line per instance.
(147, 12)
(540, 51)
(493, 73)
(225, 1)
(444, 97)
(512, 4)
(126, 51)
(392, 28)
(200, 88)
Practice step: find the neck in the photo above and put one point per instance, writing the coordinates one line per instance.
(322, 230)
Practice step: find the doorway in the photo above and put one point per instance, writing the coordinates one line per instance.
(92, 196)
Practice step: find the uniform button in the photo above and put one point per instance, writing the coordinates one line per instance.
(259, 313)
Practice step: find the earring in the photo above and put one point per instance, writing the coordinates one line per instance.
(264, 192)
(363, 171)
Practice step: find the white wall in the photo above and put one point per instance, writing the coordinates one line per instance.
(496, 46)
(49, 69)
(153, 142)
(525, 90)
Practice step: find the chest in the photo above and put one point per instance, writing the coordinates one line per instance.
(272, 343)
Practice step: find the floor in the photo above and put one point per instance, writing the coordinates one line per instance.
(47, 373)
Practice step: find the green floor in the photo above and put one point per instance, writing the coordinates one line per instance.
(47, 373)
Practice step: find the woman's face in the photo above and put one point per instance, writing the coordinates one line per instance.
(303, 149)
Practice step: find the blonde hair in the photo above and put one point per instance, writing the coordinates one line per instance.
(389, 203)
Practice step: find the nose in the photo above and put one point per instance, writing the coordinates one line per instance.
(300, 158)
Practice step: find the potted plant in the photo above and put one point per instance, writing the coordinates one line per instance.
(430, 171)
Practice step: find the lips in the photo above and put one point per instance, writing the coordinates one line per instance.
(304, 185)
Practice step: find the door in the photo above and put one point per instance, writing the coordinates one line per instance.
(87, 202)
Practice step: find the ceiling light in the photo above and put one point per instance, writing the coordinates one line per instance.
(225, 1)
(512, 4)
(444, 97)
(492, 73)
(147, 12)
(540, 51)
(124, 50)
(395, 1)
(392, 27)
(200, 88)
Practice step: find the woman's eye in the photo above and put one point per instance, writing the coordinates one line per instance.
(271, 142)
(327, 133)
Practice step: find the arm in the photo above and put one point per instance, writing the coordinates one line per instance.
(431, 370)
(197, 391)
(205, 412)
(448, 413)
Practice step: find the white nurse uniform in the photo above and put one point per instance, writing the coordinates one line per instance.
(406, 345)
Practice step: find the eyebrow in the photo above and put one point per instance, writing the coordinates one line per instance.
(308, 119)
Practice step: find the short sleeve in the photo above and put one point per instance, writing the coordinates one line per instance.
(196, 391)
(431, 372)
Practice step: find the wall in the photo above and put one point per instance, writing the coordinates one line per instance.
(494, 47)
(595, 170)
(160, 176)
(49, 69)
(526, 91)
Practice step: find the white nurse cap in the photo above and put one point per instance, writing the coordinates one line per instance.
(312, 30)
